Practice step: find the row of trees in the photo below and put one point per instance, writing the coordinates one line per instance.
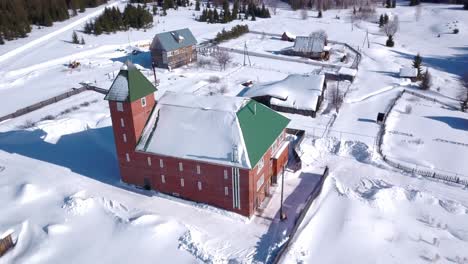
(235, 32)
(112, 20)
(16, 17)
(226, 15)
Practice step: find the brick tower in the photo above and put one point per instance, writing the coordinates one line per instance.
(131, 100)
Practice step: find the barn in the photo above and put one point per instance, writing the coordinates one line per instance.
(313, 47)
(298, 94)
(409, 72)
(173, 49)
(219, 150)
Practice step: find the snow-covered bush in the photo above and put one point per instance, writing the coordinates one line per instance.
(214, 79)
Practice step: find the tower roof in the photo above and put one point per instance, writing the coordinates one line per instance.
(129, 85)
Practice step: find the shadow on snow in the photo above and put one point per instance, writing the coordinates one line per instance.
(90, 153)
(453, 122)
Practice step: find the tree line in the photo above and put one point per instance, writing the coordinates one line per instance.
(113, 20)
(17, 17)
(227, 15)
(235, 32)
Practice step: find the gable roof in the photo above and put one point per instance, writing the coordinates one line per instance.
(176, 39)
(212, 129)
(295, 91)
(260, 127)
(129, 85)
(313, 43)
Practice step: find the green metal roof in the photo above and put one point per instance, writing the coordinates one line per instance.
(129, 85)
(176, 39)
(260, 127)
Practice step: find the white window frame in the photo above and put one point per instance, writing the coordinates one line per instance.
(226, 191)
(225, 174)
(143, 101)
(260, 165)
(149, 161)
(122, 123)
(198, 169)
(163, 178)
(161, 163)
(124, 138)
(260, 182)
(120, 107)
(182, 182)
(199, 185)
(127, 157)
(181, 166)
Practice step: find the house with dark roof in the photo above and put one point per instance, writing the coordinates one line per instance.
(173, 49)
(219, 150)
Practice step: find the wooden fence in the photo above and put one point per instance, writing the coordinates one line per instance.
(52, 100)
(454, 178)
(298, 221)
(6, 243)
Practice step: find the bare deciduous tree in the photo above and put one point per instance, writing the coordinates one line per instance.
(390, 29)
(273, 4)
(321, 34)
(417, 12)
(223, 58)
(304, 14)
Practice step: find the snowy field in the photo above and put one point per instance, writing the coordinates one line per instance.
(443, 147)
(59, 182)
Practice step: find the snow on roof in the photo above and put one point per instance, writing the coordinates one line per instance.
(6, 233)
(347, 71)
(174, 40)
(408, 72)
(119, 91)
(206, 128)
(280, 150)
(295, 91)
(309, 44)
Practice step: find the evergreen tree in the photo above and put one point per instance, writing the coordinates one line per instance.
(386, 19)
(235, 10)
(465, 6)
(388, 4)
(226, 12)
(426, 80)
(197, 5)
(381, 21)
(155, 10)
(1, 40)
(215, 15)
(82, 42)
(75, 38)
(393, 3)
(208, 5)
(417, 63)
(210, 18)
(253, 17)
(320, 15)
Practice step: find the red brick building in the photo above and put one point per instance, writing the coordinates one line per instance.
(219, 150)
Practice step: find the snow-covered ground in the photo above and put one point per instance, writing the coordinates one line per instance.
(59, 180)
(444, 146)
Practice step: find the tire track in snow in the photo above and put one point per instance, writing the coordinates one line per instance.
(35, 42)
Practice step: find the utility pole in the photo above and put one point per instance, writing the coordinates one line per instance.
(282, 214)
(246, 54)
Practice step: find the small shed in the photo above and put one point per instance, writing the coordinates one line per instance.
(287, 36)
(313, 47)
(409, 72)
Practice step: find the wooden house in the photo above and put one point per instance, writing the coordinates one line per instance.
(173, 49)
(219, 150)
(313, 47)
